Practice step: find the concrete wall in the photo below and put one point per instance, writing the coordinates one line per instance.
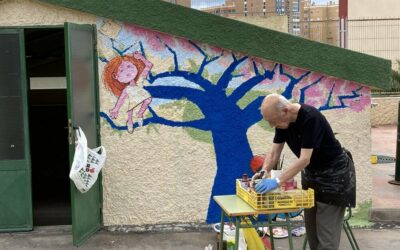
(30, 12)
(359, 9)
(384, 110)
(278, 23)
(194, 140)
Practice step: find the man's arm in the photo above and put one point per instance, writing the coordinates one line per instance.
(298, 165)
(272, 158)
(267, 185)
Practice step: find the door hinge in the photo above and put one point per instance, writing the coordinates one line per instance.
(95, 44)
(70, 132)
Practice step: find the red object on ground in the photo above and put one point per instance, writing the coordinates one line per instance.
(256, 162)
(266, 243)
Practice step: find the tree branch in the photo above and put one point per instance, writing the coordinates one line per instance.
(175, 93)
(155, 119)
(190, 76)
(341, 98)
(255, 68)
(120, 52)
(252, 112)
(205, 62)
(303, 90)
(144, 55)
(172, 51)
(293, 81)
(142, 49)
(103, 59)
(226, 77)
(240, 91)
(199, 124)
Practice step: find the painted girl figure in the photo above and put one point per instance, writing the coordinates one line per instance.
(121, 77)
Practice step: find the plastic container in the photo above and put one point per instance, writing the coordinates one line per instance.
(296, 198)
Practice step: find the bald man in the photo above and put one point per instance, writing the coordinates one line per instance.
(324, 165)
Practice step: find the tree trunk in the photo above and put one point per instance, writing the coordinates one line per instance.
(233, 155)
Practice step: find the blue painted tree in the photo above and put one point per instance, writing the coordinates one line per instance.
(223, 117)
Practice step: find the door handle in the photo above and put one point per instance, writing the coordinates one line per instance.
(71, 130)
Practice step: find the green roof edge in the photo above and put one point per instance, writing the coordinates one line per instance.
(241, 37)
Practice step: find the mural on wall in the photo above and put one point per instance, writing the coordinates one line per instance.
(124, 76)
(220, 90)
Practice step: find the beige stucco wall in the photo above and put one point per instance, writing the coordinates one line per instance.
(159, 174)
(358, 9)
(30, 12)
(384, 110)
(354, 133)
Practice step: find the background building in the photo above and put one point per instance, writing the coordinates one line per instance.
(186, 3)
(320, 22)
(228, 9)
(243, 8)
(290, 8)
(286, 13)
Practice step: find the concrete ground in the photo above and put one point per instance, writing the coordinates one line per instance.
(60, 238)
(385, 197)
(385, 206)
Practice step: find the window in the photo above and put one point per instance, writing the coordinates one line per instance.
(48, 83)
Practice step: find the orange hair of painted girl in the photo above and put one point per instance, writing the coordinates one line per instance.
(113, 85)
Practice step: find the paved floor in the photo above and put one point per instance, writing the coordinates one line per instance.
(60, 238)
(385, 197)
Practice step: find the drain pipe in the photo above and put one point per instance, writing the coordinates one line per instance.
(396, 180)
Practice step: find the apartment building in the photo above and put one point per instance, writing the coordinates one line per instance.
(284, 15)
(320, 22)
(186, 3)
(228, 9)
(244, 8)
(290, 8)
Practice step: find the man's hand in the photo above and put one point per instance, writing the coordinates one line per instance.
(258, 175)
(266, 185)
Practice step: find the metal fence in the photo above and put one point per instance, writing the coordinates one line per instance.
(378, 37)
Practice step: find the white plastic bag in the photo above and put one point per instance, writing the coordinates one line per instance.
(87, 163)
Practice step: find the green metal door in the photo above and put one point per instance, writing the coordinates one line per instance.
(15, 171)
(82, 99)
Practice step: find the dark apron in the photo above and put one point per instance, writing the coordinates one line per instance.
(335, 184)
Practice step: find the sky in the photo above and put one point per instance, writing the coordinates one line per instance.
(196, 4)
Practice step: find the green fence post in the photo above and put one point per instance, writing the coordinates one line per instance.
(396, 180)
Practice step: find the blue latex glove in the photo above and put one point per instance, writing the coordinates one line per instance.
(266, 185)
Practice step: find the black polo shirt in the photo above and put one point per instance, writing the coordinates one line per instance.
(311, 130)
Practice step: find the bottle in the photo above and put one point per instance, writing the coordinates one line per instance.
(245, 180)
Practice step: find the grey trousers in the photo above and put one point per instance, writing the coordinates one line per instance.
(324, 226)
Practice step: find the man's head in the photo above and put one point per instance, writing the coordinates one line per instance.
(275, 109)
